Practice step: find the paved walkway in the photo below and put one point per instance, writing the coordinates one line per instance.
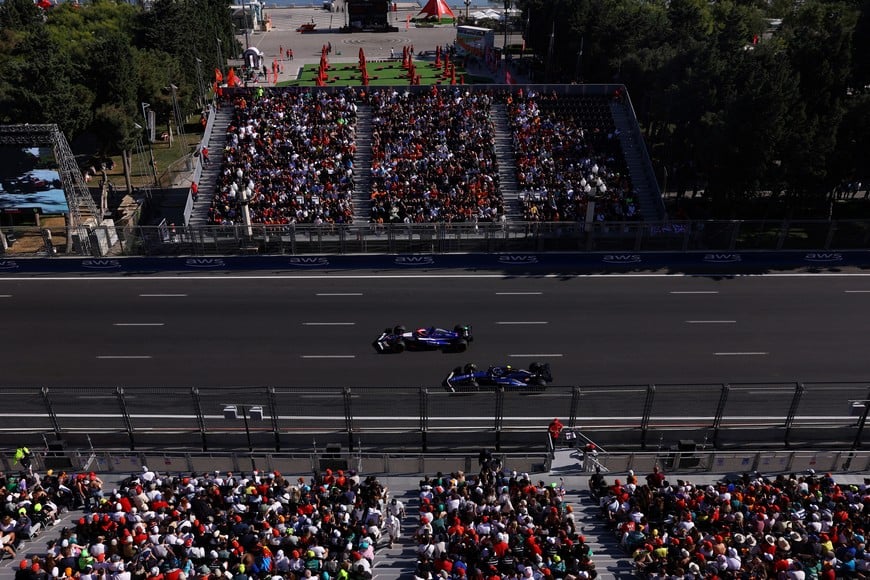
(306, 47)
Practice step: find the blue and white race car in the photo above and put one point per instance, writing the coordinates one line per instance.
(468, 378)
(399, 339)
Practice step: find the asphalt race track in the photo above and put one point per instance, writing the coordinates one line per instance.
(317, 330)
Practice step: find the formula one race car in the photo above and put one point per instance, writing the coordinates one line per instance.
(399, 339)
(468, 378)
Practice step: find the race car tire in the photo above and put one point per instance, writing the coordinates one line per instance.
(388, 330)
(469, 368)
(399, 329)
(458, 371)
(538, 382)
(535, 368)
(460, 345)
(399, 346)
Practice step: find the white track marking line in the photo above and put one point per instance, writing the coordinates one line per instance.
(139, 324)
(328, 356)
(857, 291)
(694, 292)
(328, 323)
(163, 295)
(122, 357)
(518, 293)
(711, 322)
(740, 353)
(522, 322)
(534, 355)
(339, 294)
(5, 295)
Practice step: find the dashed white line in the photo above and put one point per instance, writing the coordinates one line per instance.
(139, 324)
(711, 322)
(121, 357)
(339, 294)
(694, 292)
(534, 355)
(5, 295)
(524, 322)
(857, 291)
(328, 356)
(328, 323)
(518, 293)
(740, 353)
(163, 295)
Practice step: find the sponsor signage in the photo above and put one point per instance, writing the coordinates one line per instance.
(722, 258)
(205, 263)
(518, 259)
(621, 258)
(102, 264)
(8, 265)
(824, 257)
(414, 260)
(308, 261)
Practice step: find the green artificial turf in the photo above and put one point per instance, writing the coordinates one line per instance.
(386, 73)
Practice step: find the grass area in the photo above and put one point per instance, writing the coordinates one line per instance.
(389, 73)
(29, 240)
(166, 158)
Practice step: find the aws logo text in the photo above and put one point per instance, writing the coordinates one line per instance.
(308, 261)
(722, 258)
(101, 264)
(621, 258)
(414, 260)
(824, 257)
(518, 259)
(205, 263)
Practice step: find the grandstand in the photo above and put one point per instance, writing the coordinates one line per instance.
(429, 154)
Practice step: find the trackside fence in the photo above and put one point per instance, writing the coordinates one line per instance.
(719, 462)
(421, 419)
(365, 238)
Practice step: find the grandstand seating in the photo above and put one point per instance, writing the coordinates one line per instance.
(433, 157)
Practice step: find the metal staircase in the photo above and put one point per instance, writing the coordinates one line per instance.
(645, 188)
(208, 180)
(507, 165)
(362, 166)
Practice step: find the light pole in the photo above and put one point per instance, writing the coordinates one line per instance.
(231, 413)
(200, 83)
(467, 4)
(153, 172)
(507, 6)
(245, 22)
(220, 54)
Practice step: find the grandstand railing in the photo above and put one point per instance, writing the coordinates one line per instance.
(418, 419)
(441, 238)
(718, 462)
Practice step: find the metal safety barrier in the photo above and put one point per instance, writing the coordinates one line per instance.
(646, 417)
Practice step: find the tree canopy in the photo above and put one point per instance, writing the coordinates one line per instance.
(88, 67)
(741, 98)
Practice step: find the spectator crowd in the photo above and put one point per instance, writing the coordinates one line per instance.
(208, 526)
(433, 157)
(290, 157)
(568, 154)
(498, 525)
(290, 154)
(788, 526)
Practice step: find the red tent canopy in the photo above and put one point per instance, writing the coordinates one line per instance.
(437, 8)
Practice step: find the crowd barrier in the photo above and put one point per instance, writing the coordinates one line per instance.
(292, 419)
(513, 262)
(608, 244)
(703, 461)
